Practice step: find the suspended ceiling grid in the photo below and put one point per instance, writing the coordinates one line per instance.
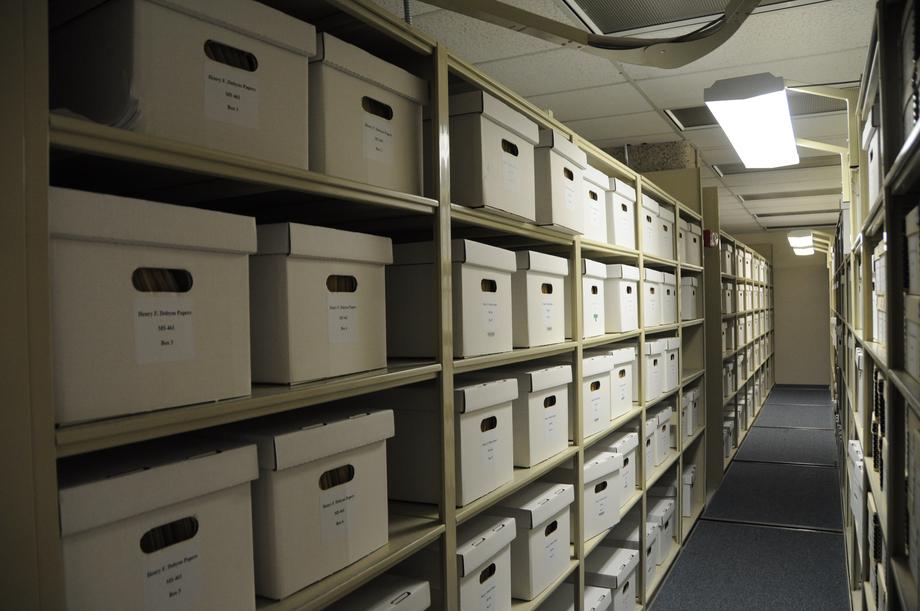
(616, 104)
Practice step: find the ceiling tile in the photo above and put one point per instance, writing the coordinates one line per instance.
(554, 71)
(593, 102)
(554, 9)
(622, 126)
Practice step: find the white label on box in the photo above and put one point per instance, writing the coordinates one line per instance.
(231, 95)
(164, 329)
(343, 318)
(595, 406)
(488, 448)
(333, 508)
(549, 423)
(621, 392)
(172, 577)
(548, 308)
(490, 317)
(569, 197)
(510, 175)
(600, 503)
(487, 597)
(378, 138)
(595, 215)
(551, 547)
(595, 305)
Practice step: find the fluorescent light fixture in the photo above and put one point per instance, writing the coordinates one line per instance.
(804, 252)
(800, 239)
(754, 113)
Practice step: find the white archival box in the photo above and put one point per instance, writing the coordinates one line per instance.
(688, 412)
(621, 381)
(739, 262)
(614, 568)
(689, 301)
(665, 415)
(595, 186)
(563, 599)
(484, 563)
(654, 368)
(648, 223)
(625, 443)
(651, 297)
(540, 550)
(365, 117)
(668, 299)
(912, 231)
(748, 259)
(728, 297)
(594, 276)
(320, 502)
(870, 144)
(621, 214)
(147, 515)
(492, 155)
(317, 301)
(149, 304)
(231, 76)
(558, 167)
(621, 298)
(688, 479)
(671, 378)
(538, 299)
(388, 593)
(481, 299)
(603, 490)
(666, 232)
(626, 535)
(651, 442)
(661, 511)
(694, 245)
(683, 231)
(595, 394)
(728, 258)
(912, 335)
(726, 338)
(540, 414)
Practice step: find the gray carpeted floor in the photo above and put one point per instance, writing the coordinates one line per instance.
(781, 445)
(732, 567)
(782, 495)
(798, 395)
(805, 416)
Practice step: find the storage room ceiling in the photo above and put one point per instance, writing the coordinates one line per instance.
(806, 41)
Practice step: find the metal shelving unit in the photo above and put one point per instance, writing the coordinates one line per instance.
(77, 153)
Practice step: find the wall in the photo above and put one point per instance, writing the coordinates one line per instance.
(802, 310)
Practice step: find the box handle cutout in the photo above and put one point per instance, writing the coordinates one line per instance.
(161, 280)
(231, 56)
(549, 401)
(594, 289)
(546, 288)
(600, 487)
(629, 290)
(654, 362)
(488, 424)
(489, 286)
(651, 290)
(378, 108)
(626, 461)
(569, 175)
(592, 195)
(665, 228)
(487, 573)
(402, 596)
(336, 477)
(169, 534)
(341, 284)
(595, 386)
(624, 208)
(551, 528)
(622, 373)
(648, 218)
(625, 587)
(509, 147)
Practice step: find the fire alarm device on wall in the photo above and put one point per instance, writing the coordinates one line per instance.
(710, 238)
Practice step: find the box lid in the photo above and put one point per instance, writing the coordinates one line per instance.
(390, 592)
(868, 132)
(480, 539)
(626, 272)
(663, 508)
(462, 251)
(545, 378)
(599, 464)
(689, 475)
(596, 365)
(669, 279)
(357, 62)
(593, 269)
(324, 243)
(673, 343)
(97, 217)
(559, 143)
(541, 262)
(597, 599)
(480, 102)
(485, 394)
(622, 356)
(536, 504)
(597, 178)
(293, 439)
(684, 225)
(689, 281)
(655, 346)
(611, 565)
(625, 444)
(104, 487)
(694, 228)
(652, 275)
(623, 188)
(650, 204)
(666, 214)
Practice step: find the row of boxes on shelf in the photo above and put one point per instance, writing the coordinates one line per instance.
(746, 329)
(287, 95)
(912, 295)
(743, 264)
(734, 376)
(176, 279)
(745, 297)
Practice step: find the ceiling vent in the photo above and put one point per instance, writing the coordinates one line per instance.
(800, 105)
